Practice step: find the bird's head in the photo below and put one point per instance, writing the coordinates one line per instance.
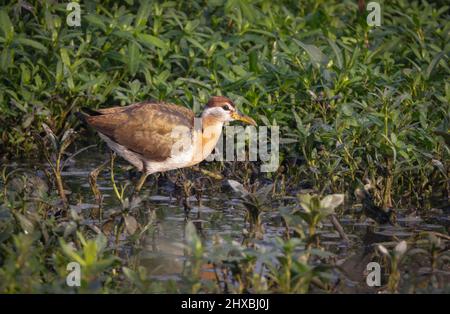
(224, 110)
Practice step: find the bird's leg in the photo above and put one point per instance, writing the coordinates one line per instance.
(198, 190)
(97, 212)
(141, 182)
(187, 187)
(142, 179)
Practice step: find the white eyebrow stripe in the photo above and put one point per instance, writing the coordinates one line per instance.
(229, 105)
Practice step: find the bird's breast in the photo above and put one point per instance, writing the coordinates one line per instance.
(205, 141)
(192, 149)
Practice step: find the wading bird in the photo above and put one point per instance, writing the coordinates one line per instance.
(156, 136)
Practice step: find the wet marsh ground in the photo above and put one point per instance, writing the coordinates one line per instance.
(211, 246)
(364, 176)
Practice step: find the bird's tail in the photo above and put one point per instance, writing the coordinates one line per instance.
(86, 112)
(81, 116)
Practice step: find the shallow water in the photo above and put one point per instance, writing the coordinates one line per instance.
(220, 213)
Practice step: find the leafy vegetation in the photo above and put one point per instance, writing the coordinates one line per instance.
(353, 103)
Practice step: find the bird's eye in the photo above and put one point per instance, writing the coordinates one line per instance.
(226, 107)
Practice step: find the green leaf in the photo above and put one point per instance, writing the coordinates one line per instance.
(445, 135)
(143, 13)
(193, 241)
(6, 26)
(330, 202)
(133, 57)
(65, 57)
(101, 242)
(394, 138)
(70, 82)
(5, 59)
(433, 64)
(305, 201)
(31, 43)
(26, 224)
(150, 40)
(253, 61)
(315, 54)
(131, 275)
(59, 72)
(25, 74)
(337, 53)
(244, 6)
(28, 119)
(196, 43)
(321, 253)
(70, 252)
(90, 252)
(103, 264)
(95, 21)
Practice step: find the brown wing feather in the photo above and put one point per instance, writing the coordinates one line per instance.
(116, 109)
(144, 128)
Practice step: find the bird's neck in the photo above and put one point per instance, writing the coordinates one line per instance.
(208, 137)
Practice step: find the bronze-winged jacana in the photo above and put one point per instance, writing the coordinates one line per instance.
(157, 136)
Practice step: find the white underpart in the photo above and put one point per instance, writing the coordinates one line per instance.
(194, 150)
(179, 158)
(123, 152)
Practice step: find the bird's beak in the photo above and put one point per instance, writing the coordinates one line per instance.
(242, 117)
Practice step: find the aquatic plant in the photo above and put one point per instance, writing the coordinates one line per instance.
(255, 202)
(54, 149)
(394, 257)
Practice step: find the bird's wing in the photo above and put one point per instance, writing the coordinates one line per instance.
(119, 109)
(145, 128)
